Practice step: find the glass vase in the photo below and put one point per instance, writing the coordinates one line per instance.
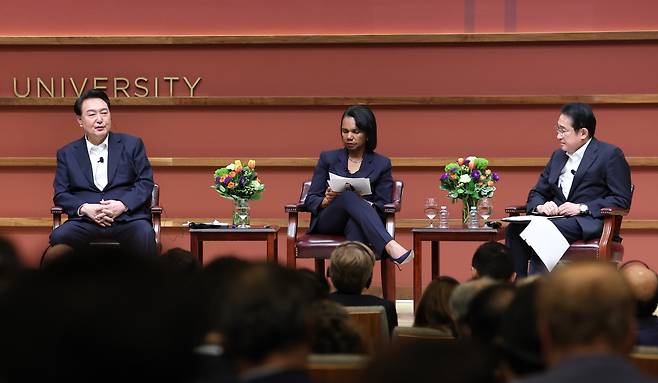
(467, 210)
(241, 213)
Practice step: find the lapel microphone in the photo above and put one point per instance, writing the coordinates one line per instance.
(101, 160)
(572, 171)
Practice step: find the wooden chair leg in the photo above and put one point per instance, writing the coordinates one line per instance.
(388, 279)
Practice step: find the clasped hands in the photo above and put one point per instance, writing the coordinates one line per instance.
(105, 212)
(550, 208)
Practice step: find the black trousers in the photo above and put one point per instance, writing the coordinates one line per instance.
(523, 253)
(136, 237)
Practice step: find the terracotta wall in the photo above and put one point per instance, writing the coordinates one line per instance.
(355, 70)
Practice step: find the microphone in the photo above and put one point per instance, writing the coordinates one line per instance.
(101, 160)
(572, 171)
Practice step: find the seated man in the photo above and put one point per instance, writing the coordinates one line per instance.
(103, 182)
(350, 272)
(493, 260)
(581, 177)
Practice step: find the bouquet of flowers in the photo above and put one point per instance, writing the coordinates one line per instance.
(238, 182)
(470, 180)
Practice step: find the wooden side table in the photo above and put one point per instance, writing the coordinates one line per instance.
(254, 233)
(436, 235)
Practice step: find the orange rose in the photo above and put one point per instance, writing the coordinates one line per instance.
(231, 185)
(471, 165)
(490, 183)
(251, 164)
(453, 176)
(460, 161)
(222, 178)
(238, 169)
(232, 174)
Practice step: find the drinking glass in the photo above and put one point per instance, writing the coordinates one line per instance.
(431, 210)
(485, 208)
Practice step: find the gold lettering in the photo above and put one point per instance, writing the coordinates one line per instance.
(155, 84)
(61, 86)
(192, 86)
(41, 84)
(171, 84)
(27, 93)
(118, 88)
(97, 81)
(77, 91)
(142, 87)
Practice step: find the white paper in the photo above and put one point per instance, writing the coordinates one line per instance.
(546, 240)
(339, 184)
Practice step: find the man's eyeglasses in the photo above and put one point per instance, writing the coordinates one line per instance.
(561, 131)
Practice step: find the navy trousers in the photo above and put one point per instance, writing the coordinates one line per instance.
(351, 216)
(523, 253)
(136, 237)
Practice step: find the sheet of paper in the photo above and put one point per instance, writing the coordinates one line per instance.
(546, 240)
(339, 184)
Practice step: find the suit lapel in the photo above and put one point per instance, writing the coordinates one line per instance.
(556, 168)
(82, 156)
(366, 166)
(591, 154)
(114, 152)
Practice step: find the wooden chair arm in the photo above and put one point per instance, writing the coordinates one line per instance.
(57, 212)
(515, 210)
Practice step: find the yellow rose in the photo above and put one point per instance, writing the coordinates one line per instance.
(251, 164)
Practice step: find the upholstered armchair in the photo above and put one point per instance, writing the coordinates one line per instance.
(320, 246)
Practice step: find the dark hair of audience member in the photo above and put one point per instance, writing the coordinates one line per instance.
(486, 311)
(434, 307)
(425, 362)
(332, 331)
(267, 314)
(100, 318)
(314, 284)
(351, 267)
(179, 260)
(519, 338)
(91, 93)
(493, 259)
(217, 280)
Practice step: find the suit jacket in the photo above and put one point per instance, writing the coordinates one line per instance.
(601, 368)
(129, 176)
(375, 167)
(603, 179)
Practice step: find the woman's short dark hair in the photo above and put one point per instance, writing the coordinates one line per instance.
(434, 306)
(581, 116)
(91, 93)
(366, 122)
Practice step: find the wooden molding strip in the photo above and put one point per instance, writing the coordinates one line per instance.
(413, 162)
(304, 39)
(322, 101)
(406, 223)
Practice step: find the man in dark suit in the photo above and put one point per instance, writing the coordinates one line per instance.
(586, 325)
(581, 177)
(103, 182)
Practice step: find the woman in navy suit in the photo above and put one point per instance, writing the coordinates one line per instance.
(358, 218)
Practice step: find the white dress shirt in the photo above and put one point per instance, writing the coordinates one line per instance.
(98, 159)
(570, 168)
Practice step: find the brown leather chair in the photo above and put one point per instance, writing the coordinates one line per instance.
(606, 248)
(156, 214)
(320, 246)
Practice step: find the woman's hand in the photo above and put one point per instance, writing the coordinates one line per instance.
(329, 196)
